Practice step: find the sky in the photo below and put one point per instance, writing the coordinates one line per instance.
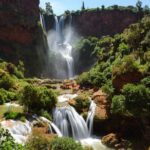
(59, 6)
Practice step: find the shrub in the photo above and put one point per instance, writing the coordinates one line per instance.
(7, 142)
(6, 96)
(122, 66)
(38, 98)
(84, 79)
(118, 104)
(3, 96)
(46, 114)
(146, 81)
(38, 142)
(82, 102)
(65, 143)
(137, 98)
(108, 88)
(7, 82)
(14, 116)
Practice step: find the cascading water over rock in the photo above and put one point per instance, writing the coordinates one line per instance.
(90, 116)
(60, 48)
(70, 122)
(42, 22)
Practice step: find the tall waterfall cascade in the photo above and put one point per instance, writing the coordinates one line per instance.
(60, 49)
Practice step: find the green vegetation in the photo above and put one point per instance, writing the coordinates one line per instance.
(7, 96)
(118, 56)
(36, 99)
(137, 99)
(84, 51)
(138, 9)
(38, 141)
(14, 115)
(82, 102)
(118, 104)
(65, 144)
(7, 142)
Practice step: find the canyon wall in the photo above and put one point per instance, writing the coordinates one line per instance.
(104, 22)
(21, 34)
(99, 23)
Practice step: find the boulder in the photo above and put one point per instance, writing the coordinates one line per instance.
(129, 77)
(101, 100)
(114, 141)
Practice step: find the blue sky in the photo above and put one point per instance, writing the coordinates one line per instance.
(59, 6)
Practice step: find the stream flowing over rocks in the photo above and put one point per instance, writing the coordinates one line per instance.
(67, 122)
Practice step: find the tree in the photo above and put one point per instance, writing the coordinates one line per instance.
(49, 10)
(83, 6)
(103, 7)
(146, 9)
(139, 5)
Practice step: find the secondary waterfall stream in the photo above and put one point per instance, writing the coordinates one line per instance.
(59, 41)
(70, 123)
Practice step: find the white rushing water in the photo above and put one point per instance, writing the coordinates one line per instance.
(66, 97)
(59, 46)
(42, 20)
(90, 116)
(19, 130)
(70, 122)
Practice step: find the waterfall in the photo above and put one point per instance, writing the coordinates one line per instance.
(42, 20)
(56, 129)
(70, 122)
(90, 116)
(59, 44)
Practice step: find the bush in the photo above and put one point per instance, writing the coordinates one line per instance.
(7, 82)
(137, 98)
(38, 98)
(82, 102)
(122, 66)
(7, 142)
(118, 104)
(84, 79)
(38, 142)
(108, 88)
(14, 116)
(46, 114)
(6, 96)
(3, 96)
(146, 81)
(65, 143)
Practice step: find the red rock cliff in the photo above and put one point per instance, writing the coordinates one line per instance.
(21, 35)
(18, 19)
(105, 22)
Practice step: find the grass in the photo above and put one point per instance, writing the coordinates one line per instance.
(4, 108)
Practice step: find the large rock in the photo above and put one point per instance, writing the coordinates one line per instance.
(102, 109)
(129, 77)
(114, 141)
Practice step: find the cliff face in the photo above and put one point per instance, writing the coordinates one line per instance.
(106, 22)
(21, 33)
(99, 23)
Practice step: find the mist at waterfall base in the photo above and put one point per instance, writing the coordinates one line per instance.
(60, 41)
